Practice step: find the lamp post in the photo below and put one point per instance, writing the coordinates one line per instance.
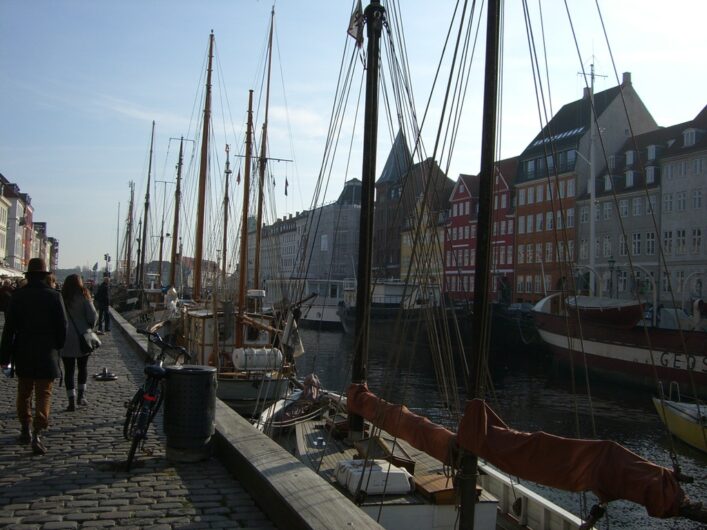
(612, 263)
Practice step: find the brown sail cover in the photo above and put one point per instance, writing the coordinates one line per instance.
(603, 467)
(398, 421)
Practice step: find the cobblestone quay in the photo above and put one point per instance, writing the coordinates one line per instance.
(80, 483)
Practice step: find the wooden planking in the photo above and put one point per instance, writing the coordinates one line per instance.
(292, 495)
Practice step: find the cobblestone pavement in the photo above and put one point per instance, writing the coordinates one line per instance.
(80, 483)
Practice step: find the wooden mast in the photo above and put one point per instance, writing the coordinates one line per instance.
(143, 243)
(129, 242)
(243, 260)
(203, 169)
(225, 219)
(175, 225)
(480, 335)
(375, 18)
(262, 164)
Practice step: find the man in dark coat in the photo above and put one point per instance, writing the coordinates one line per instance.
(102, 300)
(34, 332)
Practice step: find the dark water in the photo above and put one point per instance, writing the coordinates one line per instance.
(529, 396)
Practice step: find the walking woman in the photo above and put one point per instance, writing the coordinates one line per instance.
(80, 310)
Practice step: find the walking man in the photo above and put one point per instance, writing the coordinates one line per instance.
(102, 300)
(34, 332)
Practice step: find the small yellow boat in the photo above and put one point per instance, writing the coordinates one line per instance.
(686, 421)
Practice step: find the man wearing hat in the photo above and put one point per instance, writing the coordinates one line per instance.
(35, 331)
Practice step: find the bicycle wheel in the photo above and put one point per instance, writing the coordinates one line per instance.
(131, 453)
(156, 404)
(131, 415)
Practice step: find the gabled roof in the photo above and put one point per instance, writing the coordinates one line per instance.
(398, 163)
(351, 193)
(678, 147)
(571, 122)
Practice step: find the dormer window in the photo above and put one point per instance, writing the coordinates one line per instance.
(607, 182)
(651, 172)
(651, 152)
(688, 138)
(629, 158)
(629, 178)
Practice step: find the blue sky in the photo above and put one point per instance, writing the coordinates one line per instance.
(82, 80)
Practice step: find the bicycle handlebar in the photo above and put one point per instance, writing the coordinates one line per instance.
(157, 339)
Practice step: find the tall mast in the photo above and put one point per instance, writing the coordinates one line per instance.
(480, 335)
(175, 226)
(143, 243)
(129, 237)
(203, 168)
(262, 163)
(224, 248)
(243, 260)
(592, 188)
(117, 248)
(375, 17)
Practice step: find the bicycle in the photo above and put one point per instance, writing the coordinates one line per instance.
(146, 402)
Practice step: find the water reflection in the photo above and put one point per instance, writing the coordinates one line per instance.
(529, 396)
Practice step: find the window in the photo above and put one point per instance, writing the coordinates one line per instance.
(538, 252)
(667, 203)
(623, 207)
(520, 284)
(495, 228)
(529, 283)
(570, 250)
(521, 197)
(529, 224)
(503, 228)
(529, 253)
(651, 152)
(538, 285)
(650, 243)
(681, 200)
(570, 217)
(509, 254)
(560, 251)
(650, 204)
(539, 193)
(629, 178)
(539, 222)
(504, 200)
(570, 188)
(607, 210)
(637, 206)
(583, 249)
(668, 242)
(521, 254)
(521, 224)
(696, 240)
(548, 220)
(606, 246)
(680, 280)
(607, 182)
(622, 280)
(562, 189)
(666, 282)
(697, 198)
(495, 202)
(680, 243)
(510, 226)
(629, 158)
(698, 166)
(650, 174)
(689, 137)
(531, 195)
(548, 253)
(623, 249)
(559, 221)
(635, 244)
(584, 214)
(530, 168)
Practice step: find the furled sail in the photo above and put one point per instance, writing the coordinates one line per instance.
(606, 468)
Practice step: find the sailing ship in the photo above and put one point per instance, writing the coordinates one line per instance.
(405, 470)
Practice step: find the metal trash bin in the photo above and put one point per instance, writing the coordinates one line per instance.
(189, 412)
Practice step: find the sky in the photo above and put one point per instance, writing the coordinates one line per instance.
(82, 80)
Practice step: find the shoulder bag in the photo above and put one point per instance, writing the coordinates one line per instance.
(88, 340)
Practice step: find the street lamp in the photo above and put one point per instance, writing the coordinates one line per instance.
(612, 263)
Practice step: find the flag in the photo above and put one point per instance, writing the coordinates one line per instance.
(356, 24)
(286, 185)
(238, 177)
(95, 266)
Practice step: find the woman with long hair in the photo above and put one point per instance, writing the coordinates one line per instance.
(80, 310)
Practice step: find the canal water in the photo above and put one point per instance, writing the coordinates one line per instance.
(530, 395)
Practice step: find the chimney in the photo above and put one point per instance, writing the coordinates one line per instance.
(586, 93)
(626, 81)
